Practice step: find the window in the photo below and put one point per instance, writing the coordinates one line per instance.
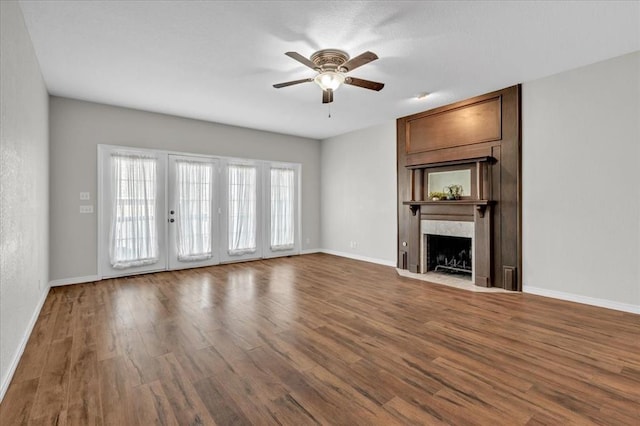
(242, 199)
(282, 208)
(133, 236)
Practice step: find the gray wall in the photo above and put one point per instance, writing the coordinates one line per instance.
(359, 194)
(77, 128)
(581, 191)
(24, 189)
(581, 173)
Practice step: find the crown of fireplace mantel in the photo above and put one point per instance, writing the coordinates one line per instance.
(481, 205)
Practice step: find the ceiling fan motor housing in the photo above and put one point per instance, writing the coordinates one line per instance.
(329, 59)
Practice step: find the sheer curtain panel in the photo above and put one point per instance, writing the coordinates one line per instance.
(194, 220)
(242, 220)
(282, 208)
(133, 235)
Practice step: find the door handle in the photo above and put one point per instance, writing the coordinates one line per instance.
(172, 220)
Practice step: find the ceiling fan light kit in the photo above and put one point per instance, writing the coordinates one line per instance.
(329, 80)
(332, 65)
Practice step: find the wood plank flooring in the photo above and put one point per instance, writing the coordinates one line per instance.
(319, 339)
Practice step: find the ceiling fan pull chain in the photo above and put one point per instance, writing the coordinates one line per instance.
(329, 106)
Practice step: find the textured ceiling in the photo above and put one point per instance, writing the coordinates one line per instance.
(217, 61)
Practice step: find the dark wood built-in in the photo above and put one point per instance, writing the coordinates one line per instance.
(483, 135)
(463, 125)
(319, 339)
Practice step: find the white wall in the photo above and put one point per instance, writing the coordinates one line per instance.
(580, 180)
(77, 128)
(24, 190)
(359, 194)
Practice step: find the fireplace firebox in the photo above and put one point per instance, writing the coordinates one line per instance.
(449, 254)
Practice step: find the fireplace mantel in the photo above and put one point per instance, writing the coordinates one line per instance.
(481, 205)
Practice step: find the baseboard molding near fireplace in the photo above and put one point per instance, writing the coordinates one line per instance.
(586, 300)
(358, 257)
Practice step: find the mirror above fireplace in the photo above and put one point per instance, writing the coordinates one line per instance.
(440, 181)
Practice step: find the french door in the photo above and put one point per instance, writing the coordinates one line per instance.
(160, 211)
(192, 212)
(131, 207)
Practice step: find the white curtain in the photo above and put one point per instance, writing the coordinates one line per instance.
(193, 186)
(282, 208)
(242, 209)
(133, 236)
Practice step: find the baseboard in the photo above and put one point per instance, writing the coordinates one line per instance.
(602, 303)
(358, 257)
(73, 280)
(23, 344)
(310, 251)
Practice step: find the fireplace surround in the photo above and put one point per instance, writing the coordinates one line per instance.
(477, 140)
(445, 228)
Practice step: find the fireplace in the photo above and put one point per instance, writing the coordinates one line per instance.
(448, 246)
(474, 144)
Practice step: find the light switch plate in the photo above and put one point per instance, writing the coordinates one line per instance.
(85, 196)
(86, 209)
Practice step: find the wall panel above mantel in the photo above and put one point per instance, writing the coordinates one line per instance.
(467, 124)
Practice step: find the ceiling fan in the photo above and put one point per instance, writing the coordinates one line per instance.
(332, 66)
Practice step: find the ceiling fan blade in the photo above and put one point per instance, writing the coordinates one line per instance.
(367, 84)
(291, 83)
(327, 96)
(298, 57)
(359, 60)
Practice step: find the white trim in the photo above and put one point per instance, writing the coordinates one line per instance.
(74, 280)
(311, 251)
(358, 257)
(603, 303)
(23, 344)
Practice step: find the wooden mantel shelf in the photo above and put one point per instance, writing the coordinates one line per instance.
(481, 205)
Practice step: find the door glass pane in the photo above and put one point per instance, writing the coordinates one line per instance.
(133, 235)
(282, 209)
(242, 209)
(193, 186)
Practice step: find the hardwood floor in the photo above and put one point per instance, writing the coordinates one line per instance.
(319, 339)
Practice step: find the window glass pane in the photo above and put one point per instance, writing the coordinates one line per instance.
(242, 218)
(133, 237)
(282, 208)
(194, 220)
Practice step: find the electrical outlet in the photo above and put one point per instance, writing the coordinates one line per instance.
(86, 209)
(85, 196)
